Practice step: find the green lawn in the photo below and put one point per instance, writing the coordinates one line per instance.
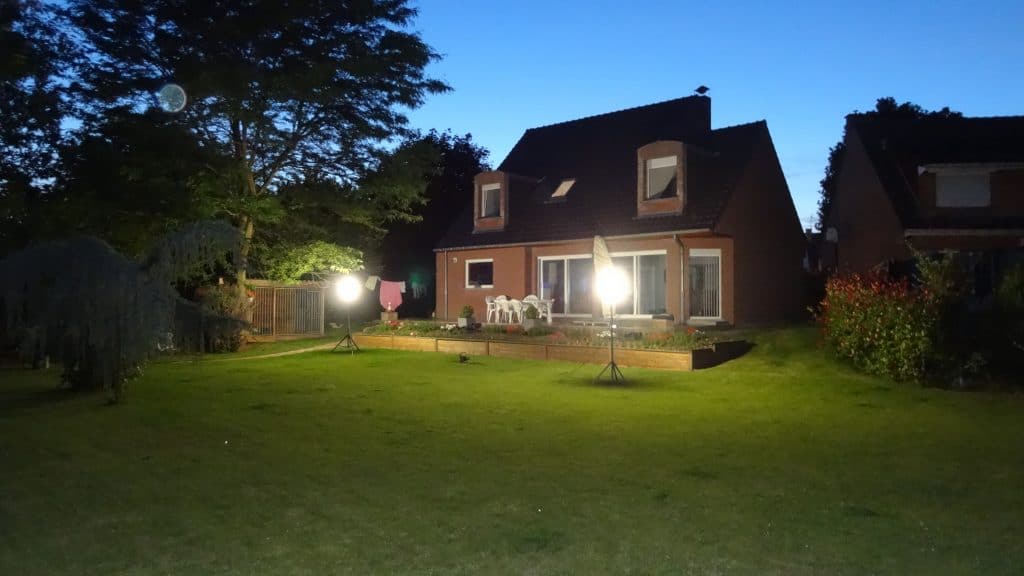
(410, 463)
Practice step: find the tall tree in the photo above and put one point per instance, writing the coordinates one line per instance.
(407, 251)
(885, 107)
(325, 226)
(289, 90)
(31, 109)
(132, 180)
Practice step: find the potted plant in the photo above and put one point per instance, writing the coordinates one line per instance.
(531, 317)
(466, 319)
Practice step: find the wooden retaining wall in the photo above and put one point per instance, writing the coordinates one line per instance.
(632, 358)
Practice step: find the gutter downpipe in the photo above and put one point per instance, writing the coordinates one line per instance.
(445, 285)
(682, 280)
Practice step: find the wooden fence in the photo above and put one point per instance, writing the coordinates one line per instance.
(287, 310)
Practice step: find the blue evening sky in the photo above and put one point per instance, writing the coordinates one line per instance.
(800, 66)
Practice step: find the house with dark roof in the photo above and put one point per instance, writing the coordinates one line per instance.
(700, 220)
(930, 184)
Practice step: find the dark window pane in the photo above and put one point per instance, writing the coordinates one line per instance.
(651, 284)
(480, 274)
(553, 284)
(661, 182)
(581, 279)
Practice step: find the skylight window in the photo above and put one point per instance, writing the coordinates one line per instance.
(563, 188)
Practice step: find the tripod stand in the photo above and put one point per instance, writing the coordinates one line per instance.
(347, 339)
(612, 368)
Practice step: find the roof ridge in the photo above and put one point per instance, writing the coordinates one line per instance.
(742, 125)
(630, 109)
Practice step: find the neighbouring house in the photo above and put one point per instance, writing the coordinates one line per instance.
(700, 219)
(930, 185)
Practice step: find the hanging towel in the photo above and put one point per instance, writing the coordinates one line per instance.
(391, 294)
(371, 282)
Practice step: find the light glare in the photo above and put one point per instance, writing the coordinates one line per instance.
(348, 288)
(612, 285)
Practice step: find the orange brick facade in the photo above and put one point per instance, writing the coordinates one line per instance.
(516, 271)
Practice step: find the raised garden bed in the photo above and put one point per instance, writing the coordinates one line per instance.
(684, 360)
(674, 360)
(685, 349)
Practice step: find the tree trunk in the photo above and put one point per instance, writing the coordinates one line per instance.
(246, 223)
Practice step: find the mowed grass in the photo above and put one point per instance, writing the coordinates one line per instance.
(781, 462)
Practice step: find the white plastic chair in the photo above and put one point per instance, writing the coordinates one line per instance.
(515, 311)
(492, 308)
(503, 308)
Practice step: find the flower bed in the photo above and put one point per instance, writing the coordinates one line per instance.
(685, 349)
(685, 339)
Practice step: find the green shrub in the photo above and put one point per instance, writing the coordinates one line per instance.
(225, 300)
(1010, 305)
(531, 312)
(884, 327)
(539, 331)
(689, 338)
(406, 328)
(467, 311)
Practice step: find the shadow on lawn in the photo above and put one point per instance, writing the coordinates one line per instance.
(720, 353)
(22, 400)
(586, 376)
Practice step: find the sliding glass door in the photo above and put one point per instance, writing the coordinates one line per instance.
(580, 286)
(647, 277)
(568, 281)
(552, 284)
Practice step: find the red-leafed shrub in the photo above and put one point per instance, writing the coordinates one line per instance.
(883, 326)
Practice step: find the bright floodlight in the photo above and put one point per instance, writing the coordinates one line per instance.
(348, 288)
(612, 285)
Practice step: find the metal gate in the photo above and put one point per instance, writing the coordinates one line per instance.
(287, 310)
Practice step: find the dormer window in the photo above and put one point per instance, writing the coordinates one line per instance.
(962, 190)
(661, 177)
(490, 201)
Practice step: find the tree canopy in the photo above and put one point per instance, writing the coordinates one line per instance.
(407, 249)
(32, 47)
(885, 107)
(302, 91)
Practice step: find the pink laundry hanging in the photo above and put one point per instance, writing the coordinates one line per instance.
(391, 294)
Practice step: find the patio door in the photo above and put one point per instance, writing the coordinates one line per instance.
(552, 284)
(705, 272)
(568, 281)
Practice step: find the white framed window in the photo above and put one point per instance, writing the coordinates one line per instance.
(490, 200)
(705, 273)
(647, 273)
(661, 177)
(962, 190)
(480, 273)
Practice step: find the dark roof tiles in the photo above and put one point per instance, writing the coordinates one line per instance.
(898, 146)
(600, 153)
